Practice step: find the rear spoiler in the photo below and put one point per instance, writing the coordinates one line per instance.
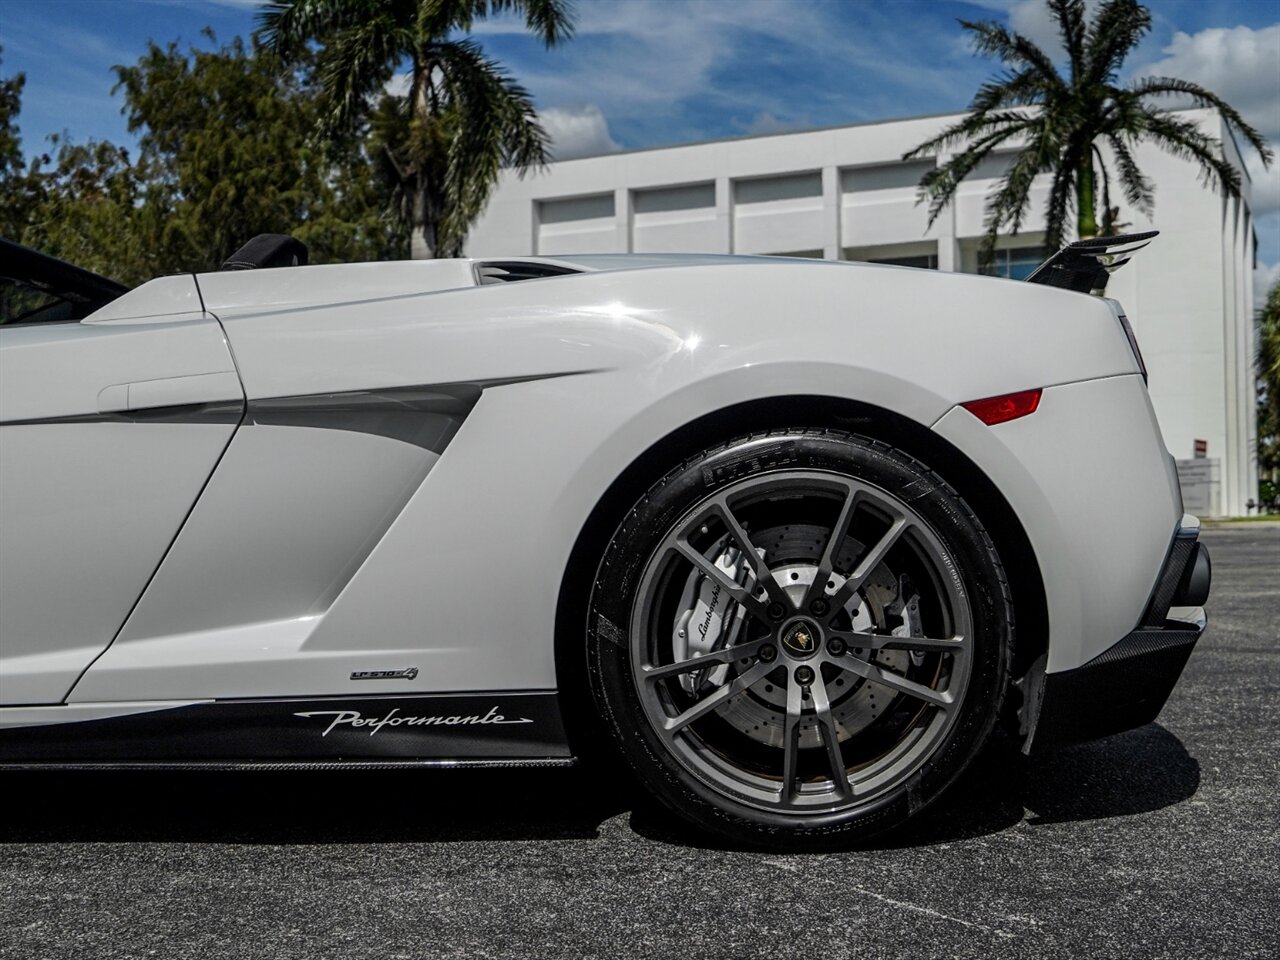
(1086, 265)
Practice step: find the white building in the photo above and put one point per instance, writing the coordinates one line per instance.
(843, 192)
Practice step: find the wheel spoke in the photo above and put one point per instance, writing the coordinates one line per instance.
(884, 641)
(838, 533)
(791, 740)
(945, 644)
(764, 577)
(874, 556)
(711, 569)
(878, 674)
(830, 737)
(721, 695)
(725, 655)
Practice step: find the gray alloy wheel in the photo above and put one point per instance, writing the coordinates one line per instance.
(805, 647)
(795, 646)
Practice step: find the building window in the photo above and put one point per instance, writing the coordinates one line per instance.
(576, 208)
(1015, 263)
(925, 261)
(789, 186)
(695, 196)
(885, 176)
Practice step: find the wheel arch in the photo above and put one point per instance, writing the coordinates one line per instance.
(992, 508)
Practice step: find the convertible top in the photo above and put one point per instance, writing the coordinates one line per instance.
(35, 286)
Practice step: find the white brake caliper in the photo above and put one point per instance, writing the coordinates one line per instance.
(711, 619)
(907, 606)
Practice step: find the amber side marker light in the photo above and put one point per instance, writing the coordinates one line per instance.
(1011, 406)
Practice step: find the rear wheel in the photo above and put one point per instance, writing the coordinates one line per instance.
(799, 637)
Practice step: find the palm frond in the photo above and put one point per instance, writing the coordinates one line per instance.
(1117, 27)
(1139, 191)
(1011, 89)
(496, 125)
(1171, 86)
(356, 63)
(1070, 17)
(285, 26)
(549, 20)
(973, 125)
(1060, 206)
(1064, 123)
(939, 185)
(993, 40)
(1009, 203)
(1184, 139)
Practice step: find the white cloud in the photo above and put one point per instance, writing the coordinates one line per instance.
(1242, 66)
(580, 131)
(1238, 64)
(643, 57)
(1033, 20)
(398, 85)
(637, 58)
(1266, 183)
(766, 122)
(575, 131)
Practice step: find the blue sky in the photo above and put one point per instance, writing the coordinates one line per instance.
(647, 72)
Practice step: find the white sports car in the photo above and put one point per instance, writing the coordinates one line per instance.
(793, 537)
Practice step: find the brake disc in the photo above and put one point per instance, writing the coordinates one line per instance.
(710, 620)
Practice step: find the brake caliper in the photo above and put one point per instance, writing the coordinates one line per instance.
(711, 619)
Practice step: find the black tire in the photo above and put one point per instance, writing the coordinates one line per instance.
(626, 625)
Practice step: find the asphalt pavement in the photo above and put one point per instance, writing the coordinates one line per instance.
(1162, 842)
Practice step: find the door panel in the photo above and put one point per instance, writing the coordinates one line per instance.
(108, 433)
(307, 488)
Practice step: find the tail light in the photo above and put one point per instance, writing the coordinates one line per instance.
(1009, 406)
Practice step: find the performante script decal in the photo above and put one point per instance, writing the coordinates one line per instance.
(353, 718)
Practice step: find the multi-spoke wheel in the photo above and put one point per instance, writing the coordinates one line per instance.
(800, 635)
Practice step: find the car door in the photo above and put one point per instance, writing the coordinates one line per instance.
(109, 428)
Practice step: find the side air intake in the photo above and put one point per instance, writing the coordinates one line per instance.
(509, 271)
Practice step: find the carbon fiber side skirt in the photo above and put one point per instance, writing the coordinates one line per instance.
(444, 730)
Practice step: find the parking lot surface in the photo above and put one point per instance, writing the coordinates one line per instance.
(1162, 842)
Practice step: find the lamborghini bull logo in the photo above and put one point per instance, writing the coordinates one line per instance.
(800, 639)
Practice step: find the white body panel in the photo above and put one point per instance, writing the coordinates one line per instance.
(1099, 525)
(332, 539)
(90, 495)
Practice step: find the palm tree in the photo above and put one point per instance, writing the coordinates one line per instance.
(1058, 124)
(463, 118)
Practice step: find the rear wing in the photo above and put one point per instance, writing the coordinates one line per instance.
(1086, 265)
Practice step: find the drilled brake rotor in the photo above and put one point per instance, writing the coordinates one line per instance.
(793, 552)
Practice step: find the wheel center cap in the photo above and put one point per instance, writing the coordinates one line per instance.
(800, 638)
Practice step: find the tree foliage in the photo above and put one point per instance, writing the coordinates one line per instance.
(462, 118)
(1269, 398)
(18, 190)
(1060, 122)
(226, 151)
